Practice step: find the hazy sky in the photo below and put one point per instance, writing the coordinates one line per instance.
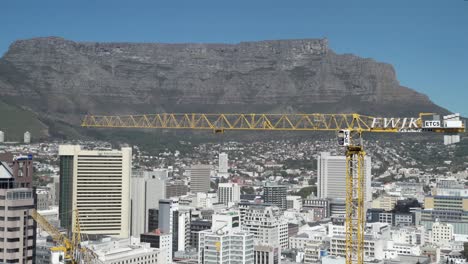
(426, 40)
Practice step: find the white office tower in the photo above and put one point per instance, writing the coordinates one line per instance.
(200, 178)
(128, 250)
(266, 223)
(97, 184)
(225, 246)
(2, 137)
(147, 188)
(223, 165)
(331, 172)
(228, 193)
(27, 137)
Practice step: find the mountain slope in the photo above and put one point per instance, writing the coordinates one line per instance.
(61, 80)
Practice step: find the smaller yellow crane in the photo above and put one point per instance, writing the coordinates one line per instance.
(68, 251)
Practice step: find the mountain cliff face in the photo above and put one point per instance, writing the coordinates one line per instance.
(61, 80)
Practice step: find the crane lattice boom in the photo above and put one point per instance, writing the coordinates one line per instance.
(284, 122)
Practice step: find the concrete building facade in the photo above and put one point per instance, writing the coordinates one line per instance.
(446, 209)
(275, 194)
(266, 255)
(176, 189)
(331, 177)
(97, 183)
(126, 251)
(266, 224)
(195, 227)
(161, 241)
(442, 233)
(223, 165)
(18, 241)
(147, 188)
(228, 193)
(200, 178)
(221, 247)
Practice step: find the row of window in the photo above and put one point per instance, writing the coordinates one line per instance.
(15, 239)
(16, 218)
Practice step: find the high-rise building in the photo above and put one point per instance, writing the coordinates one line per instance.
(337, 207)
(159, 240)
(56, 189)
(200, 178)
(265, 223)
(129, 250)
(294, 202)
(174, 221)
(446, 209)
(147, 188)
(22, 166)
(17, 225)
(331, 173)
(319, 207)
(226, 220)
(97, 184)
(223, 165)
(312, 252)
(166, 216)
(275, 194)
(43, 199)
(442, 233)
(266, 255)
(195, 227)
(27, 137)
(221, 247)
(176, 189)
(228, 193)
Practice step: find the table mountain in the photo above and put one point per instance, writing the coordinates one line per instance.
(60, 80)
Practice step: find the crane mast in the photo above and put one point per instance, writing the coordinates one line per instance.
(349, 128)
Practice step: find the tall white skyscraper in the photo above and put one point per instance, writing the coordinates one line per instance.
(331, 172)
(96, 183)
(200, 178)
(228, 193)
(223, 165)
(147, 188)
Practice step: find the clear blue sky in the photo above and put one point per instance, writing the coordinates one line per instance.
(426, 40)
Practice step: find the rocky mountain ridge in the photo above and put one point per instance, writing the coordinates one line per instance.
(61, 80)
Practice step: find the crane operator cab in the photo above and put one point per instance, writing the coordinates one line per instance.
(344, 137)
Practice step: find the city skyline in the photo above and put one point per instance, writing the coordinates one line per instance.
(234, 132)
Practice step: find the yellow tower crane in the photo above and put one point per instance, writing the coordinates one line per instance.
(349, 128)
(69, 251)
